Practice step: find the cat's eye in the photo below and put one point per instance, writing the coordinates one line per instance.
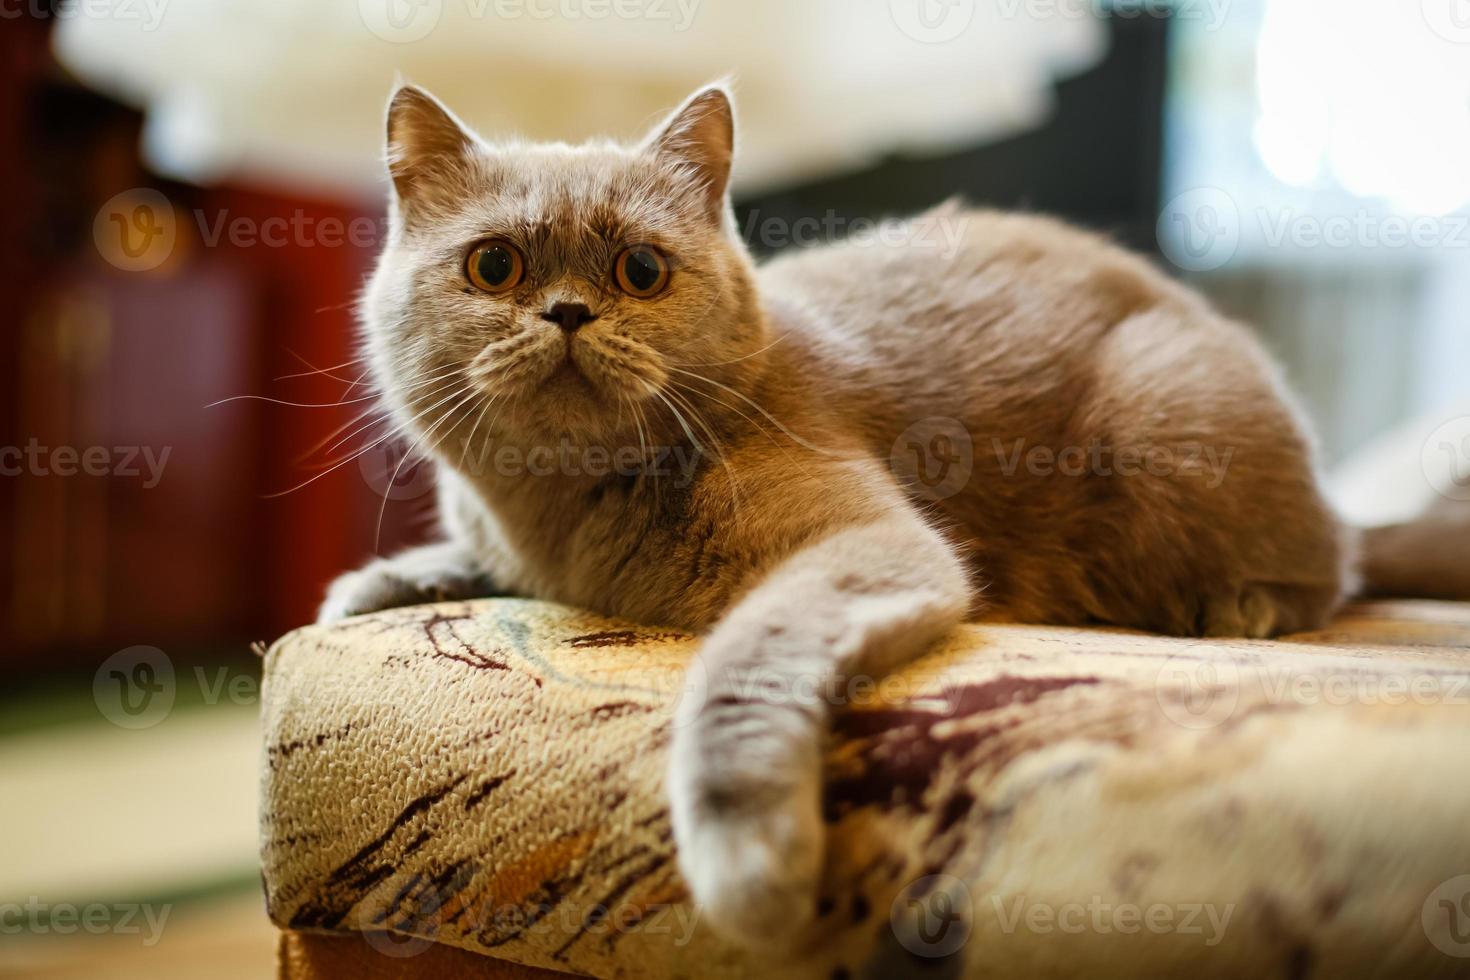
(495, 266)
(641, 271)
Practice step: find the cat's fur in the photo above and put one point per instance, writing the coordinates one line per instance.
(805, 544)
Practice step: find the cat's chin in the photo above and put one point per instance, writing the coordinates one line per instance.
(566, 402)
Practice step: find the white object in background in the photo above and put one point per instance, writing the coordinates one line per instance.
(1373, 97)
(1397, 475)
(290, 91)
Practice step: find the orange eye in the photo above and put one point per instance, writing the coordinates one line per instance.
(495, 266)
(641, 271)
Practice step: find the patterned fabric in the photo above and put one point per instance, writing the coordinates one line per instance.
(1024, 801)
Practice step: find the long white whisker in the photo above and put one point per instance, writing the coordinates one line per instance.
(682, 424)
(289, 404)
(722, 455)
(369, 447)
(443, 385)
(773, 420)
(383, 509)
(744, 357)
(323, 371)
(785, 449)
(475, 428)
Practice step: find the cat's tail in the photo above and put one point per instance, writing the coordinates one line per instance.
(1424, 558)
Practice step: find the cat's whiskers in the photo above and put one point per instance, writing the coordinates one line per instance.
(444, 382)
(512, 361)
(371, 410)
(365, 449)
(470, 439)
(344, 401)
(291, 404)
(722, 455)
(683, 424)
(643, 449)
(759, 408)
(754, 423)
(325, 372)
(744, 357)
(473, 392)
(699, 419)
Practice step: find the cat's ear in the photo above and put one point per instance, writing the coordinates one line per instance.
(701, 134)
(426, 145)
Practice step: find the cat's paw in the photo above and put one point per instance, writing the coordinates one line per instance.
(406, 580)
(745, 802)
(1260, 610)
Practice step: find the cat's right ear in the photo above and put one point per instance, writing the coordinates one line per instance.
(700, 136)
(426, 146)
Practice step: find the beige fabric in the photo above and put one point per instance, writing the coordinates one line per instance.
(315, 957)
(1023, 801)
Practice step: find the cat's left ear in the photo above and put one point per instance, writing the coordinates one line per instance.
(701, 134)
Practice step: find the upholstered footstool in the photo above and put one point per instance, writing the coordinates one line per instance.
(474, 790)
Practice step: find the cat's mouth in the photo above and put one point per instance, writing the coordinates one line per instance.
(568, 373)
(572, 371)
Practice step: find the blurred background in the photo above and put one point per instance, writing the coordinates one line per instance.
(194, 195)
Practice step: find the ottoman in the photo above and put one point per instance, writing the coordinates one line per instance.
(475, 790)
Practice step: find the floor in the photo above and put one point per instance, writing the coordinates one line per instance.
(132, 853)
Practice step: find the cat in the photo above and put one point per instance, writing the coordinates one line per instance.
(873, 440)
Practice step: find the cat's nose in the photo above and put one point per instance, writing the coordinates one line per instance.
(568, 316)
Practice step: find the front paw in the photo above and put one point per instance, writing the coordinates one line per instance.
(393, 582)
(363, 591)
(745, 795)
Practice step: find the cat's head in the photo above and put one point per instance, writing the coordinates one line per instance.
(548, 290)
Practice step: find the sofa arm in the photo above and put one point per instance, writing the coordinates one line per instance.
(1022, 801)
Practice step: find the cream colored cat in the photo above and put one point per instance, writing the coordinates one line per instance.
(823, 464)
